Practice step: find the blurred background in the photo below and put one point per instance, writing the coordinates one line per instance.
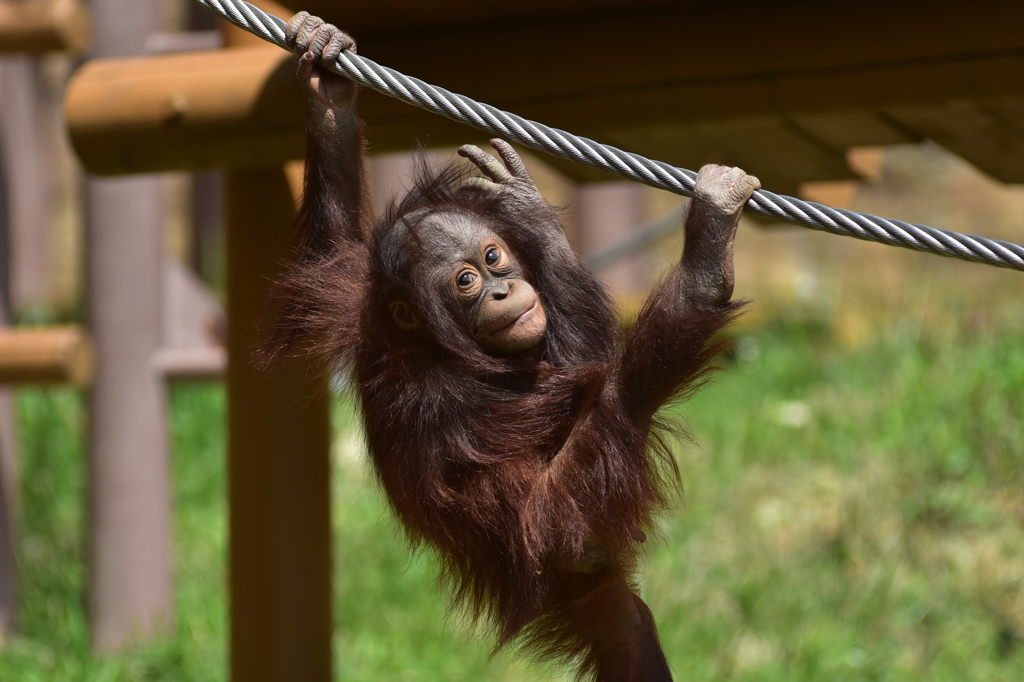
(853, 503)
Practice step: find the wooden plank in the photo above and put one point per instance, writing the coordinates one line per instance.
(973, 132)
(394, 125)
(569, 61)
(191, 364)
(688, 146)
(39, 26)
(786, 95)
(775, 150)
(780, 149)
(1010, 109)
(699, 38)
(842, 129)
(415, 14)
(680, 145)
(778, 152)
(784, 62)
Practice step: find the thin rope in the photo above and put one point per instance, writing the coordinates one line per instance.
(632, 166)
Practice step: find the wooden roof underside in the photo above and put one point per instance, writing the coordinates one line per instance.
(781, 89)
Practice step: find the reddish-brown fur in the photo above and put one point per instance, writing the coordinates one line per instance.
(509, 469)
(512, 469)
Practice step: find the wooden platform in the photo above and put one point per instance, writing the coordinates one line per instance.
(780, 88)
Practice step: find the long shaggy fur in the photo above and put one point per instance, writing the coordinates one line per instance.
(509, 470)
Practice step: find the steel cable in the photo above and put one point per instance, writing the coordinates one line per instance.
(604, 157)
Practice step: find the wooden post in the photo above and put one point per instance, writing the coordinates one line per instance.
(607, 212)
(8, 485)
(27, 157)
(130, 593)
(8, 568)
(30, 27)
(43, 26)
(278, 466)
(278, 452)
(237, 107)
(131, 582)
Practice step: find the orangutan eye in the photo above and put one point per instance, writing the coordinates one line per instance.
(465, 279)
(492, 256)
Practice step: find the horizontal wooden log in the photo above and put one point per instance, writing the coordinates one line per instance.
(38, 26)
(191, 364)
(47, 355)
(167, 42)
(238, 107)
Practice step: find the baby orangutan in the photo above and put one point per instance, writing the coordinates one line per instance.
(512, 424)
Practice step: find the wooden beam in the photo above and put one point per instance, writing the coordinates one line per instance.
(1010, 109)
(851, 128)
(780, 151)
(415, 15)
(779, 58)
(238, 37)
(54, 355)
(191, 364)
(38, 26)
(65, 355)
(237, 107)
(393, 124)
(782, 61)
(975, 133)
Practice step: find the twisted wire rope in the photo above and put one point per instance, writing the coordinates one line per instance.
(632, 166)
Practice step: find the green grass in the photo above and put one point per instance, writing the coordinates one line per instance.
(850, 514)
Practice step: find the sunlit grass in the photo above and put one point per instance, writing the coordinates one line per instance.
(849, 514)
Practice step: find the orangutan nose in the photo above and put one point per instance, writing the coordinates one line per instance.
(500, 289)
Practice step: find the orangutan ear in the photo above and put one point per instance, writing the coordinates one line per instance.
(403, 316)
